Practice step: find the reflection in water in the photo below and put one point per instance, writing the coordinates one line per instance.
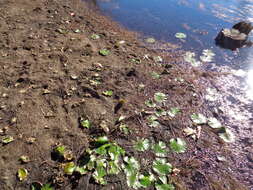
(250, 84)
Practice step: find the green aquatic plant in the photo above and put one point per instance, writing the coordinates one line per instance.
(180, 35)
(178, 145)
(150, 103)
(189, 57)
(160, 97)
(164, 187)
(214, 123)
(95, 36)
(7, 139)
(69, 168)
(85, 123)
(207, 55)
(155, 75)
(173, 112)
(104, 52)
(141, 145)
(108, 93)
(22, 174)
(162, 167)
(150, 40)
(160, 149)
(198, 119)
(226, 135)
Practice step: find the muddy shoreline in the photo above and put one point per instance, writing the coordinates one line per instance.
(53, 76)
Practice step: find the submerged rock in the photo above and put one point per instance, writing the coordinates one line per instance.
(236, 37)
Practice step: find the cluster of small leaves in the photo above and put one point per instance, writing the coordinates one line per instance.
(223, 132)
(104, 52)
(85, 123)
(189, 57)
(101, 161)
(62, 153)
(160, 149)
(108, 93)
(207, 56)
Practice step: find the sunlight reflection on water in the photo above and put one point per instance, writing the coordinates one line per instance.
(250, 84)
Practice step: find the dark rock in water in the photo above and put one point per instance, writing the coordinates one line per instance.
(243, 27)
(234, 38)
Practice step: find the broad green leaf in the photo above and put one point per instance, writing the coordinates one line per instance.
(155, 75)
(207, 55)
(7, 139)
(124, 128)
(160, 112)
(22, 174)
(214, 123)
(178, 145)
(108, 93)
(113, 167)
(86, 123)
(24, 159)
(101, 162)
(180, 35)
(152, 121)
(160, 97)
(99, 175)
(133, 179)
(135, 60)
(179, 79)
(95, 36)
(81, 170)
(189, 131)
(154, 124)
(104, 52)
(115, 151)
(198, 118)
(132, 162)
(95, 82)
(208, 52)
(161, 167)
(152, 118)
(61, 31)
(173, 112)
(164, 187)
(77, 31)
(226, 135)
(158, 59)
(146, 180)
(47, 187)
(163, 179)
(69, 168)
(150, 40)
(60, 150)
(160, 149)
(102, 140)
(102, 150)
(150, 104)
(142, 145)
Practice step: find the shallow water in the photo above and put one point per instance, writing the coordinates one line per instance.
(163, 18)
(201, 21)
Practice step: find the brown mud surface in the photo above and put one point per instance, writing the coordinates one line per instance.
(51, 75)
